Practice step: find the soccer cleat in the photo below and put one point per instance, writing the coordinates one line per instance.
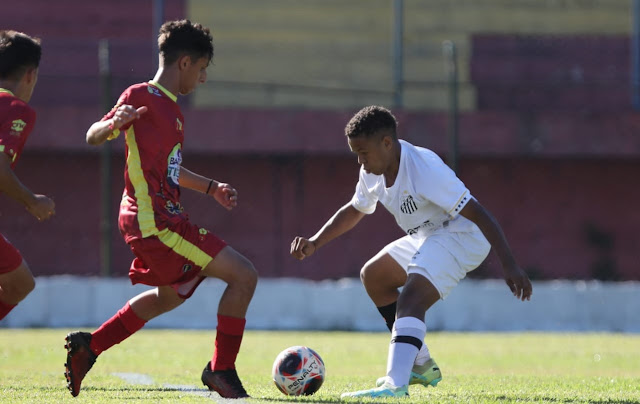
(427, 375)
(224, 382)
(387, 389)
(80, 359)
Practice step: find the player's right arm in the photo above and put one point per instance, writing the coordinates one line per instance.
(39, 206)
(345, 219)
(100, 131)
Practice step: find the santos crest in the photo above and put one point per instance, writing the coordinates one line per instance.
(408, 205)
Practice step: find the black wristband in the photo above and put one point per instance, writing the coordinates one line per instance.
(209, 187)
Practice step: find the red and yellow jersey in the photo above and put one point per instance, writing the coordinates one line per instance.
(151, 198)
(17, 120)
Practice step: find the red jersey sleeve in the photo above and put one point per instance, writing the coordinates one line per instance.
(15, 128)
(126, 98)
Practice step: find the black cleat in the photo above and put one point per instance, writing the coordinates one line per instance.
(224, 382)
(80, 359)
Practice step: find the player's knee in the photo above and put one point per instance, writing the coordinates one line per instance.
(368, 274)
(250, 277)
(417, 296)
(29, 286)
(246, 276)
(16, 292)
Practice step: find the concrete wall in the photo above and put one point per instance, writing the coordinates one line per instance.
(77, 302)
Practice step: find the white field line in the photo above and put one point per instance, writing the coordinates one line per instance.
(146, 380)
(135, 378)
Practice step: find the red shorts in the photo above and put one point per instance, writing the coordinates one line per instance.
(174, 257)
(10, 258)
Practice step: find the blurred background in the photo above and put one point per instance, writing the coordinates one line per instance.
(533, 102)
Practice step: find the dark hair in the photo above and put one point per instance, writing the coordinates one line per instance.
(18, 53)
(371, 120)
(177, 38)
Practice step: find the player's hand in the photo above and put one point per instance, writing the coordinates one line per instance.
(518, 282)
(226, 195)
(125, 114)
(302, 248)
(42, 207)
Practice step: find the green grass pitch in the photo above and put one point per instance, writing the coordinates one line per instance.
(476, 367)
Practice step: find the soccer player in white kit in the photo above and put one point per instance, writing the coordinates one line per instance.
(448, 234)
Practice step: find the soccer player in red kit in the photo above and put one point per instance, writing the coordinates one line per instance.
(19, 60)
(171, 253)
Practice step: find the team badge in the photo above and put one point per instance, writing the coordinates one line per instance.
(17, 127)
(186, 268)
(203, 233)
(408, 205)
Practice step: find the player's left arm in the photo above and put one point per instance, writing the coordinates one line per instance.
(225, 194)
(514, 276)
(40, 206)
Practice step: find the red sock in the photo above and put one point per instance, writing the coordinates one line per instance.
(5, 308)
(115, 330)
(228, 339)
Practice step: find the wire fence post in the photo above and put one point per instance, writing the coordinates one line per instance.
(105, 163)
(451, 68)
(397, 52)
(635, 56)
(158, 20)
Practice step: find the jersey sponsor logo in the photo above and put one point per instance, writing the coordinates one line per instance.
(17, 127)
(173, 165)
(426, 224)
(174, 208)
(154, 91)
(408, 205)
(178, 125)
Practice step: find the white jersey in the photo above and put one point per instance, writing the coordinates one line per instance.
(426, 195)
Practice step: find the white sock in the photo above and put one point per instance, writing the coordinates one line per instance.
(406, 338)
(423, 355)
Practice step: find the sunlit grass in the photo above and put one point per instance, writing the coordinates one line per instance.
(477, 367)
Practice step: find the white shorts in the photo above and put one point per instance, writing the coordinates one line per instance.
(444, 257)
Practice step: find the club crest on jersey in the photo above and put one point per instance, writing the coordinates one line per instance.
(186, 268)
(408, 205)
(203, 233)
(173, 165)
(17, 127)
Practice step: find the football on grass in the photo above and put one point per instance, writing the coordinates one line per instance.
(298, 370)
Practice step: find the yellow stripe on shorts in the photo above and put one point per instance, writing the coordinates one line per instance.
(184, 247)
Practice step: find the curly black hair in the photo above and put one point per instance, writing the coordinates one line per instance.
(183, 37)
(369, 121)
(18, 53)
